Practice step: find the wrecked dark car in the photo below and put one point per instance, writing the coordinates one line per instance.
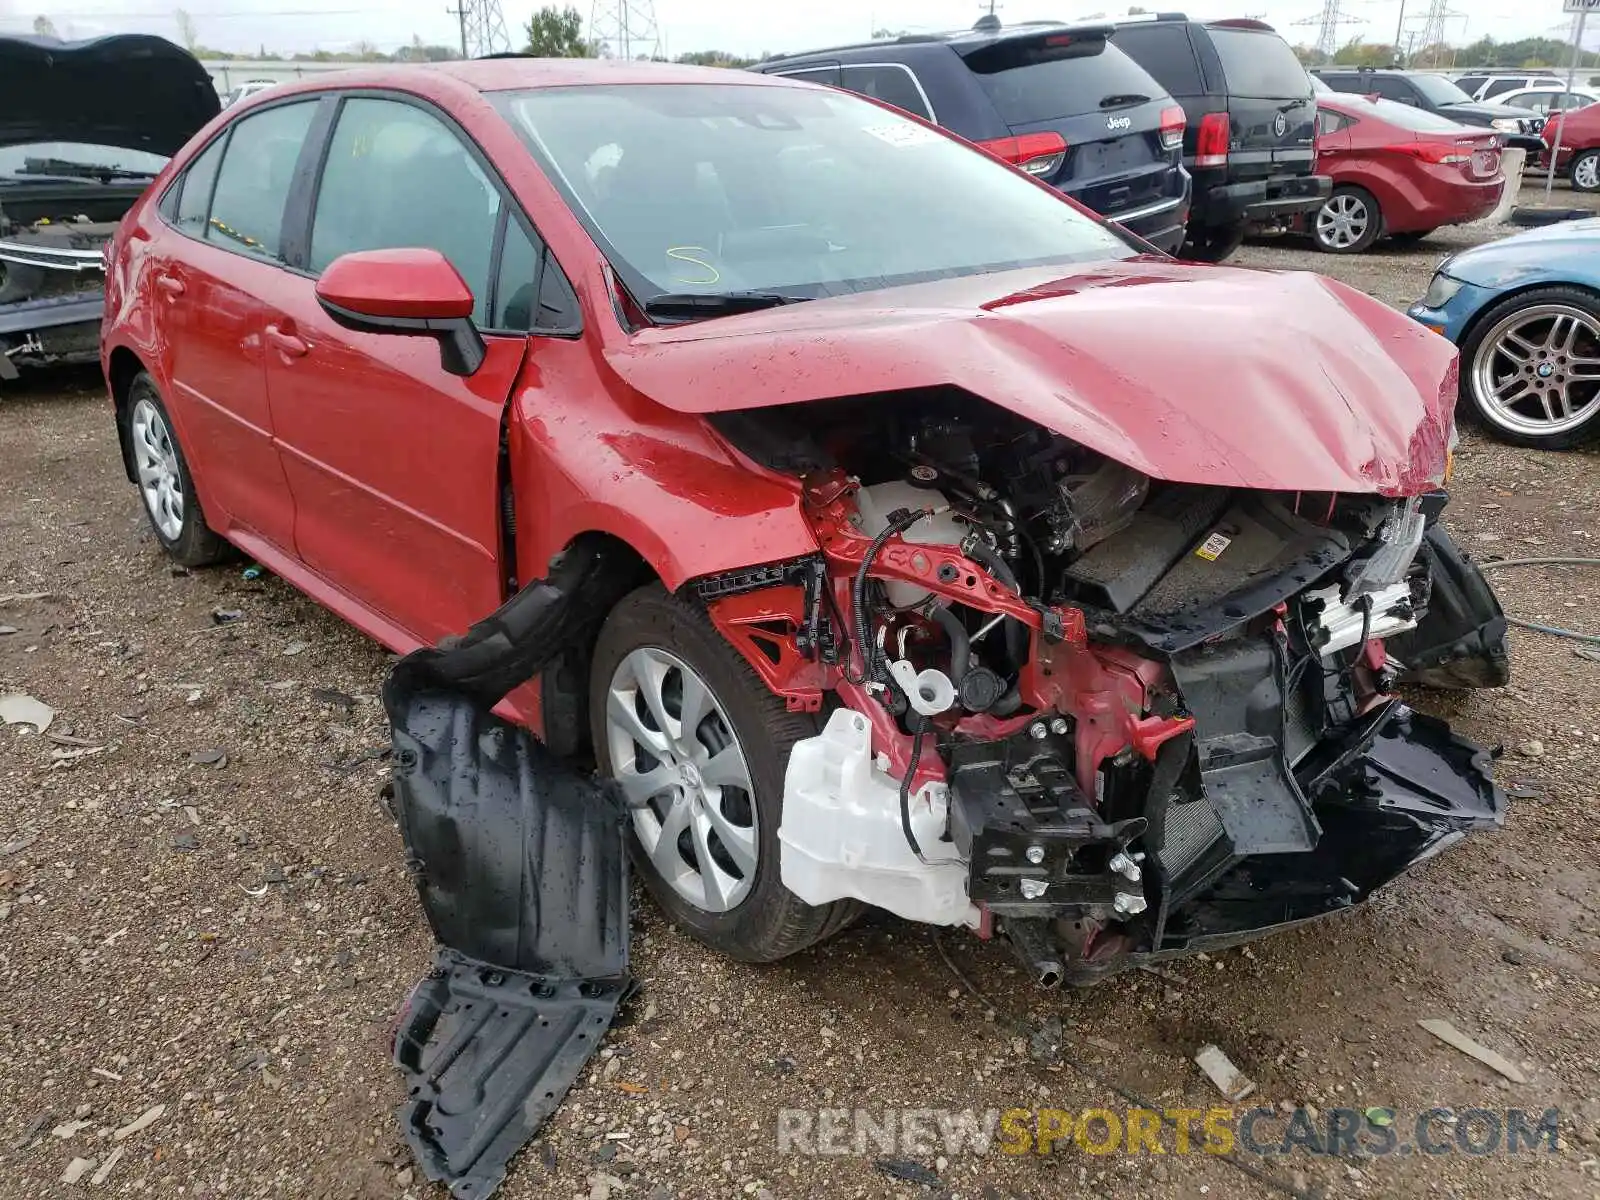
(910, 538)
(84, 128)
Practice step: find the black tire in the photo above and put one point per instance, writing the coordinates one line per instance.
(1473, 345)
(1591, 171)
(770, 922)
(194, 545)
(1411, 237)
(1211, 243)
(1343, 197)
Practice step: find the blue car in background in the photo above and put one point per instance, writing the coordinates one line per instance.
(1525, 312)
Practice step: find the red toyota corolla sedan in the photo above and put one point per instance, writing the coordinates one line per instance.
(1580, 146)
(1398, 172)
(940, 547)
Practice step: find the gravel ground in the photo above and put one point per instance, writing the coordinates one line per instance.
(203, 914)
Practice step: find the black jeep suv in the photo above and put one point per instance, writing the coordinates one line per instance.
(1251, 123)
(1058, 101)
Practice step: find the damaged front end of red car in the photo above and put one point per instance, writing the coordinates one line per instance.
(1109, 717)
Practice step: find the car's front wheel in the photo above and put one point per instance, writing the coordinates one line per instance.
(1531, 368)
(165, 485)
(698, 746)
(1585, 172)
(1348, 221)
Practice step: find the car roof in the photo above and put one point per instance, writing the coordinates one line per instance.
(515, 72)
(961, 40)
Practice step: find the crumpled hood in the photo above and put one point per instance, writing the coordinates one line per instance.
(130, 90)
(1190, 373)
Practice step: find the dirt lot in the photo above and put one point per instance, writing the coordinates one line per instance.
(206, 912)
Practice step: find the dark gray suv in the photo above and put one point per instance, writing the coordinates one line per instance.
(1059, 101)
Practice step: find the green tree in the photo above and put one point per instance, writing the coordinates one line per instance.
(44, 26)
(714, 58)
(557, 33)
(1356, 53)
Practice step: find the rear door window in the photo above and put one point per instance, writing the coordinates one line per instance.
(1499, 86)
(254, 181)
(890, 82)
(1164, 50)
(1027, 87)
(1259, 65)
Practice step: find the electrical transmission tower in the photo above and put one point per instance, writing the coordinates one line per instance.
(1327, 23)
(625, 28)
(483, 27)
(1432, 32)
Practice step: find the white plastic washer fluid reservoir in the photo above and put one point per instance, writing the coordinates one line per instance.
(841, 837)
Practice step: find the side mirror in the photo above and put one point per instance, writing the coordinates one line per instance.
(414, 292)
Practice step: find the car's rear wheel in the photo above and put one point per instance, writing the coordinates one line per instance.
(698, 746)
(1532, 368)
(1348, 222)
(165, 485)
(1211, 243)
(1585, 172)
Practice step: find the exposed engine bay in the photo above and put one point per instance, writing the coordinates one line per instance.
(52, 278)
(1109, 716)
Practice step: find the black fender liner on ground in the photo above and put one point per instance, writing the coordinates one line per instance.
(519, 860)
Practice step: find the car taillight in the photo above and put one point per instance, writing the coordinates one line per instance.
(1172, 125)
(1035, 153)
(1211, 141)
(1434, 152)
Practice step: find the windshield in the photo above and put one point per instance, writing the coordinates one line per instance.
(1418, 120)
(716, 188)
(76, 158)
(1439, 90)
(1028, 87)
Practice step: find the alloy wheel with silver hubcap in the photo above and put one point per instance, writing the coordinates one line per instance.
(1343, 221)
(1586, 172)
(156, 463)
(1537, 370)
(679, 764)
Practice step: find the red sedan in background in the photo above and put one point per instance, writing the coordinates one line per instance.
(1398, 171)
(1580, 146)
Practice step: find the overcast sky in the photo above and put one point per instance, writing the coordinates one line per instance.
(741, 26)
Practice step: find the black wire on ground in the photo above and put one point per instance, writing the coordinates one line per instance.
(1025, 1028)
(1553, 630)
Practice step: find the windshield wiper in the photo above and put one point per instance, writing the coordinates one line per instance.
(1123, 99)
(78, 170)
(689, 305)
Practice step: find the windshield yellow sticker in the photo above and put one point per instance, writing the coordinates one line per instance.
(1211, 549)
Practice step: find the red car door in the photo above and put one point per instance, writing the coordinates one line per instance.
(393, 462)
(208, 274)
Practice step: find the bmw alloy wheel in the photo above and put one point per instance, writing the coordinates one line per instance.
(1343, 220)
(1537, 372)
(679, 764)
(160, 482)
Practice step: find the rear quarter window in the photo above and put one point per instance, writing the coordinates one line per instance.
(1166, 52)
(1025, 89)
(1258, 64)
(889, 82)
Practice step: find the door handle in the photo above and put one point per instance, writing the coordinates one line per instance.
(170, 285)
(286, 343)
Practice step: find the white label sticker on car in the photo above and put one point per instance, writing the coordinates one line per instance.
(1212, 548)
(902, 134)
